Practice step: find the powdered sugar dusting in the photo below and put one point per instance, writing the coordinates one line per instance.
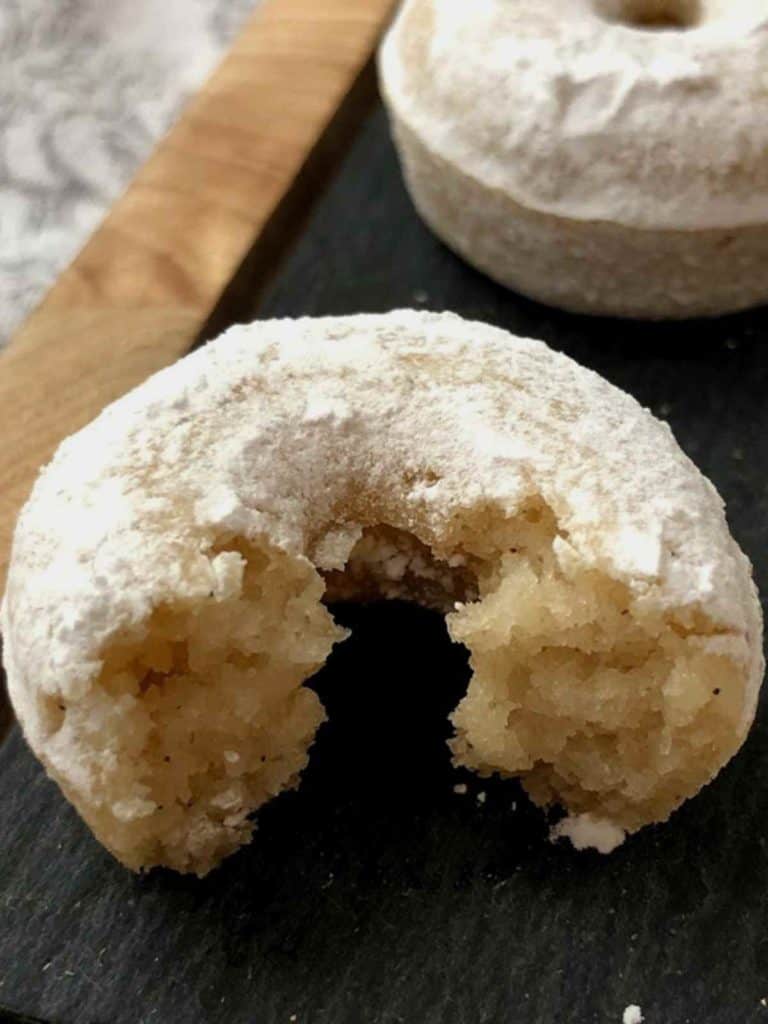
(641, 128)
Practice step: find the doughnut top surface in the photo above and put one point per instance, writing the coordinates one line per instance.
(647, 113)
(301, 429)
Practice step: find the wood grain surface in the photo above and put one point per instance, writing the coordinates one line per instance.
(236, 171)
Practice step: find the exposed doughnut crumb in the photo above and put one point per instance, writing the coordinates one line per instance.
(206, 717)
(202, 713)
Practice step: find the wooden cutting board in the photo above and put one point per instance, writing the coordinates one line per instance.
(223, 192)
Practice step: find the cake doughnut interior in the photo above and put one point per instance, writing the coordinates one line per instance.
(167, 606)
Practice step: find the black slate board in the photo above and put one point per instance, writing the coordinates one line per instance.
(375, 894)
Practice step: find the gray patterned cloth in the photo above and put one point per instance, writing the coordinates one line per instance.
(86, 88)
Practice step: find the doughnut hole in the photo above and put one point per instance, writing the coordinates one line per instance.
(652, 14)
(201, 716)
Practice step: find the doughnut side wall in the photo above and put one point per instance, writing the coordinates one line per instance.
(595, 267)
(165, 602)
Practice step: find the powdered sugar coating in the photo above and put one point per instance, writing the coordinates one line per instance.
(273, 427)
(586, 832)
(576, 115)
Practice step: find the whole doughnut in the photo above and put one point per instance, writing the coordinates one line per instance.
(165, 600)
(604, 156)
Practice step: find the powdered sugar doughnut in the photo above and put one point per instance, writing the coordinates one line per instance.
(164, 606)
(605, 156)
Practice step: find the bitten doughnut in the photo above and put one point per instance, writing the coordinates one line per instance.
(165, 612)
(605, 156)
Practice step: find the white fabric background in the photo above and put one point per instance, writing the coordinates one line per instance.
(86, 88)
